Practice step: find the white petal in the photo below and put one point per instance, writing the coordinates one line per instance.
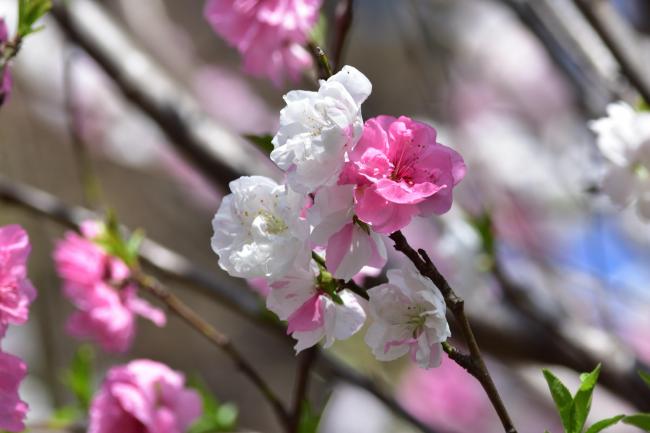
(355, 82)
(343, 321)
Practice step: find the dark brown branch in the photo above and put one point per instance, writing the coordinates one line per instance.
(217, 154)
(620, 39)
(476, 367)
(343, 21)
(220, 340)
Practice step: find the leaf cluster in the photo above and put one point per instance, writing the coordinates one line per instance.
(574, 409)
(29, 12)
(217, 417)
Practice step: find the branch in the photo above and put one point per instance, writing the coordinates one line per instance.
(220, 340)
(343, 19)
(174, 265)
(476, 366)
(219, 155)
(621, 41)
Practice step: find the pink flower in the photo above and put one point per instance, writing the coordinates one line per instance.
(270, 34)
(310, 313)
(97, 284)
(143, 396)
(447, 398)
(16, 291)
(349, 245)
(401, 171)
(12, 408)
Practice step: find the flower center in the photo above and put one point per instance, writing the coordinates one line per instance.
(274, 225)
(416, 319)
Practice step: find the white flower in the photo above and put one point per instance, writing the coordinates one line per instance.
(624, 139)
(350, 246)
(408, 317)
(257, 229)
(317, 128)
(311, 314)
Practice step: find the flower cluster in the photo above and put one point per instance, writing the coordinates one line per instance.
(98, 285)
(16, 294)
(347, 184)
(270, 34)
(143, 396)
(624, 139)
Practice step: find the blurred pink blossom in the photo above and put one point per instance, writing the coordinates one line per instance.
(12, 408)
(97, 284)
(270, 34)
(401, 171)
(446, 397)
(143, 396)
(16, 291)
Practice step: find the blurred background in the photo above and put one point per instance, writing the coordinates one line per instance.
(553, 274)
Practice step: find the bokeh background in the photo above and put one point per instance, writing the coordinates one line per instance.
(553, 274)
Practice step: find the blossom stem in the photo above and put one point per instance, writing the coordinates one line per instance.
(472, 362)
(324, 67)
(303, 371)
(350, 285)
(222, 341)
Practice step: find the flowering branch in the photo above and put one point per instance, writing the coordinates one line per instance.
(305, 365)
(473, 363)
(177, 267)
(222, 341)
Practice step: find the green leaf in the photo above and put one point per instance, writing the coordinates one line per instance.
(133, 246)
(319, 32)
(29, 12)
(640, 420)
(582, 399)
(79, 377)
(562, 398)
(603, 424)
(216, 417)
(263, 142)
(483, 225)
(309, 419)
(645, 376)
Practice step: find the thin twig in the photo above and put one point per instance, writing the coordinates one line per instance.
(343, 21)
(476, 367)
(620, 40)
(303, 373)
(222, 341)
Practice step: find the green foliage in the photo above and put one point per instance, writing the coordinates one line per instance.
(64, 417)
(640, 420)
(562, 398)
(483, 225)
(319, 32)
(29, 12)
(574, 410)
(79, 377)
(263, 142)
(309, 419)
(216, 417)
(645, 376)
(603, 424)
(113, 242)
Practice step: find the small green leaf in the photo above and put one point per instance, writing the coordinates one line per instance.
(640, 420)
(645, 376)
(562, 398)
(64, 417)
(319, 32)
(133, 246)
(216, 417)
(582, 399)
(29, 12)
(603, 424)
(309, 419)
(263, 142)
(79, 377)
